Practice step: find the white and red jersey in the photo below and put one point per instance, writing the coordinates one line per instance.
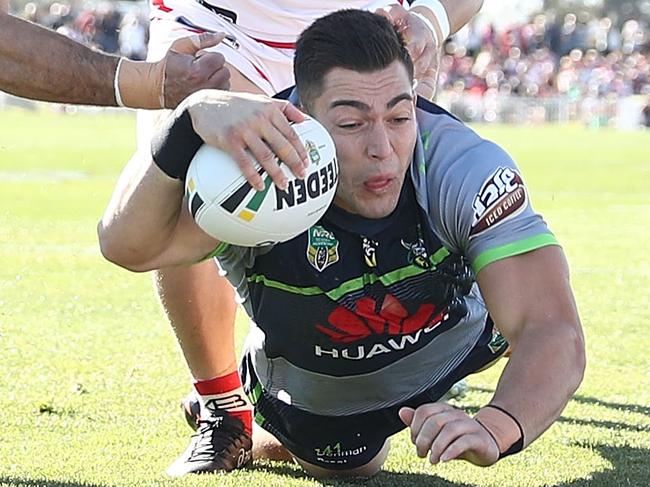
(276, 22)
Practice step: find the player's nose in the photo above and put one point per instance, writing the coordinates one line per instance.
(378, 143)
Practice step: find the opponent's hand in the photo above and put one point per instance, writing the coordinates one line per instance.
(186, 68)
(421, 44)
(189, 68)
(251, 127)
(449, 433)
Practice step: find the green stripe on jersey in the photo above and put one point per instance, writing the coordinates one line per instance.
(358, 282)
(514, 248)
(259, 419)
(256, 393)
(220, 249)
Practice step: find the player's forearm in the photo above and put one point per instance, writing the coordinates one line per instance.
(38, 63)
(544, 370)
(141, 216)
(459, 12)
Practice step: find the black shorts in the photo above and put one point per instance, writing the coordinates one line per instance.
(346, 442)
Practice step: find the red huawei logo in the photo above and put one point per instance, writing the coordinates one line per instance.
(346, 326)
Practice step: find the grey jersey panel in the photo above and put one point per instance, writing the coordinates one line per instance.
(464, 178)
(234, 261)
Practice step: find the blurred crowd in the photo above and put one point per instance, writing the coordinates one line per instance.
(575, 55)
(579, 58)
(113, 27)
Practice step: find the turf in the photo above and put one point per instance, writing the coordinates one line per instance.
(90, 374)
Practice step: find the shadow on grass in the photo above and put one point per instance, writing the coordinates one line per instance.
(630, 408)
(382, 479)
(629, 467)
(45, 483)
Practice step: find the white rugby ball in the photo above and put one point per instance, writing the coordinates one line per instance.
(226, 207)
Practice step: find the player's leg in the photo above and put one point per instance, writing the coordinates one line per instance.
(201, 305)
(367, 470)
(268, 447)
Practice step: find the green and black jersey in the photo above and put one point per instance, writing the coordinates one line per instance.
(356, 315)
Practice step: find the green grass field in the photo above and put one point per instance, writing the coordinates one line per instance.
(90, 374)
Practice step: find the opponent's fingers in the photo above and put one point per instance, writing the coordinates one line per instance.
(423, 413)
(432, 428)
(406, 415)
(196, 42)
(265, 157)
(183, 75)
(396, 14)
(424, 60)
(220, 79)
(426, 87)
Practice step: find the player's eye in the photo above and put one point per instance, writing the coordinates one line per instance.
(401, 120)
(350, 125)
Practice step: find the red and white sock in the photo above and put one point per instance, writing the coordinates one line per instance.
(225, 394)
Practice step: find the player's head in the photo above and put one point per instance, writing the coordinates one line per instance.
(354, 75)
(351, 39)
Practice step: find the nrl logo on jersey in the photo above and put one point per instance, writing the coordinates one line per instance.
(322, 248)
(502, 196)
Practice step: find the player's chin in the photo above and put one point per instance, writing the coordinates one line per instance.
(377, 206)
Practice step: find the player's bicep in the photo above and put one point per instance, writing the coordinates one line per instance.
(529, 289)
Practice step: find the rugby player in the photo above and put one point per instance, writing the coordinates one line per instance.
(68, 72)
(40, 64)
(259, 53)
(425, 249)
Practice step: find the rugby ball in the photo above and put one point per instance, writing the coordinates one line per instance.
(225, 206)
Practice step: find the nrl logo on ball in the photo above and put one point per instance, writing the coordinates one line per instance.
(502, 196)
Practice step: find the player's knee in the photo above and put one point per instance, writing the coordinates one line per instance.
(368, 470)
(268, 447)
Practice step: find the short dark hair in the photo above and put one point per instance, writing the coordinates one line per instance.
(357, 40)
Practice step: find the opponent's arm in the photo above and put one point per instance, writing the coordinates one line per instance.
(530, 300)
(146, 226)
(40, 64)
(425, 26)
(459, 12)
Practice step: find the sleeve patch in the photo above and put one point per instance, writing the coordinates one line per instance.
(501, 197)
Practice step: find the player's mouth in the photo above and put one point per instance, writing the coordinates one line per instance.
(378, 184)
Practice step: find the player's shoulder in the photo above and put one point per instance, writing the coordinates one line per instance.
(450, 150)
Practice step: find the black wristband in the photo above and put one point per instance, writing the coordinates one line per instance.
(174, 144)
(518, 445)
